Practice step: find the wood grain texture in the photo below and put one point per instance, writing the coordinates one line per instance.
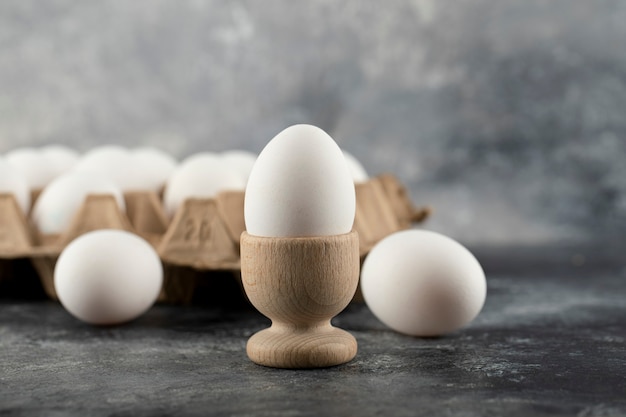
(300, 284)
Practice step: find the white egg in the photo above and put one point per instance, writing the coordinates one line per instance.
(356, 169)
(300, 185)
(61, 159)
(110, 161)
(422, 283)
(33, 166)
(12, 181)
(62, 198)
(108, 277)
(241, 161)
(198, 155)
(201, 177)
(150, 169)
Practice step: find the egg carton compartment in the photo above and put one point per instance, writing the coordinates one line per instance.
(199, 247)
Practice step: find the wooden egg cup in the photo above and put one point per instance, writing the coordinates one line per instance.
(300, 283)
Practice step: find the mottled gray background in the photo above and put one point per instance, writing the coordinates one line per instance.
(508, 116)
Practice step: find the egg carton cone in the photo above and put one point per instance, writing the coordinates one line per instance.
(398, 197)
(204, 233)
(383, 207)
(145, 214)
(201, 242)
(34, 195)
(15, 234)
(15, 241)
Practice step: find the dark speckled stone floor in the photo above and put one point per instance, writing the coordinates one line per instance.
(548, 343)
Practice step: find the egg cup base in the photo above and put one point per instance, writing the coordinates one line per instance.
(322, 347)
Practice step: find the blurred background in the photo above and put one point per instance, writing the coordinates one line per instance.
(508, 117)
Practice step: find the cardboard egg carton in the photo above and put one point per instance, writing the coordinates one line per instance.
(201, 242)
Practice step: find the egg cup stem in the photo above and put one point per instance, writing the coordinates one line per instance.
(300, 284)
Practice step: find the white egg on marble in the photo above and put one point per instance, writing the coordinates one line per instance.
(61, 158)
(300, 185)
(202, 176)
(113, 162)
(150, 169)
(241, 161)
(359, 174)
(422, 283)
(33, 166)
(108, 277)
(59, 202)
(12, 181)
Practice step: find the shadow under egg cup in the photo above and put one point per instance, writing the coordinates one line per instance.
(300, 283)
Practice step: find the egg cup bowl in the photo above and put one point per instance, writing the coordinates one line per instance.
(300, 283)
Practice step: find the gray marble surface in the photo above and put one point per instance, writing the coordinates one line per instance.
(549, 341)
(506, 116)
